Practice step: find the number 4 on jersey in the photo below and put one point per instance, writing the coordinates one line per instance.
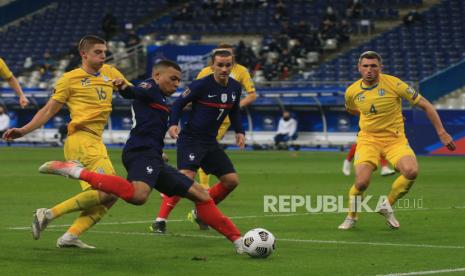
(373, 109)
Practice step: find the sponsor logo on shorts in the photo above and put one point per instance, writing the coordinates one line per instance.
(191, 157)
(149, 169)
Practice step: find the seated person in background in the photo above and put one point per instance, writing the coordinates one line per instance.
(287, 129)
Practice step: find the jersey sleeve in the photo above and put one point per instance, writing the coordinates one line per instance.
(407, 92)
(349, 100)
(190, 94)
(235, 115)
(116, 74)
(247, 82)
(5, 72)
(204, 72)
(144, 91)
(61, 92)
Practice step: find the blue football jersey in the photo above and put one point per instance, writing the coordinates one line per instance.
(211, 103)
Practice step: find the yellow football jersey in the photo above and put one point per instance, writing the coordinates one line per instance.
(380, 105)
(88, 97)
(238, 72)
(5, 72)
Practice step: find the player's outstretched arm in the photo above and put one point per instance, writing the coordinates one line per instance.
(433, 116)
(14, 84)
(41, 117)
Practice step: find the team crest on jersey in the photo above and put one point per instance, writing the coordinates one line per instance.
(233, 97)
(105, 78)
(145, 85)
(381, 92)
(186, 92)
(361, 98)
(85, 81)
(100, 171)
(224, 97)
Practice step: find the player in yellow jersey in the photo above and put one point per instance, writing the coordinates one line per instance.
(87, 91)
(7, 75)
(240, 74)
(377, 99)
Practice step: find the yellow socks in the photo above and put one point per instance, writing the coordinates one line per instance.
(354, 193)
(82, 201)
(400, 187)
(87, 219)
(204, 179)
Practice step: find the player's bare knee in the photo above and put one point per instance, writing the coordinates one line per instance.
(230, 181)
(107, 199)
(141, 193)
(362, 185)
(410, 173)
(139, 198)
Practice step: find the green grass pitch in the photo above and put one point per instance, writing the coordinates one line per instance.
(431, 238)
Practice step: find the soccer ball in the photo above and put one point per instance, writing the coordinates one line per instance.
(259, 243)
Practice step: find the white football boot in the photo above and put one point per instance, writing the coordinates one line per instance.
(348, 223)
(68, 240)
(387, 212)
(346, 167)
(70, 169)
(39, 222)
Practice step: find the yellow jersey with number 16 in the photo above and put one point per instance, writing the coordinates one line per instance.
(88, 97)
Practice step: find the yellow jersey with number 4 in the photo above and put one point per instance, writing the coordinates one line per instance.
(380, 105)
(88, 97)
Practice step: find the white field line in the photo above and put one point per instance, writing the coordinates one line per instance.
(278, 239)
(428, 272)
(234, 217)
(173, 220)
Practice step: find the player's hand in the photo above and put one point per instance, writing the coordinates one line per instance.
(23, 101)
(173, 131)
(120, 84)
(240, 140)
(447, 141)
(12, 133)
(164, 156)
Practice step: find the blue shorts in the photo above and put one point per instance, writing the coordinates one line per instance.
(150, 168)
(211, 158)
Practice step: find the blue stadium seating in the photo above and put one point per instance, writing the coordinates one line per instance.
(57, 28)
(260, 19)
(409, 52)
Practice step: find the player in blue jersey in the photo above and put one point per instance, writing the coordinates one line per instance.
(213, 98)
(142, 155)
